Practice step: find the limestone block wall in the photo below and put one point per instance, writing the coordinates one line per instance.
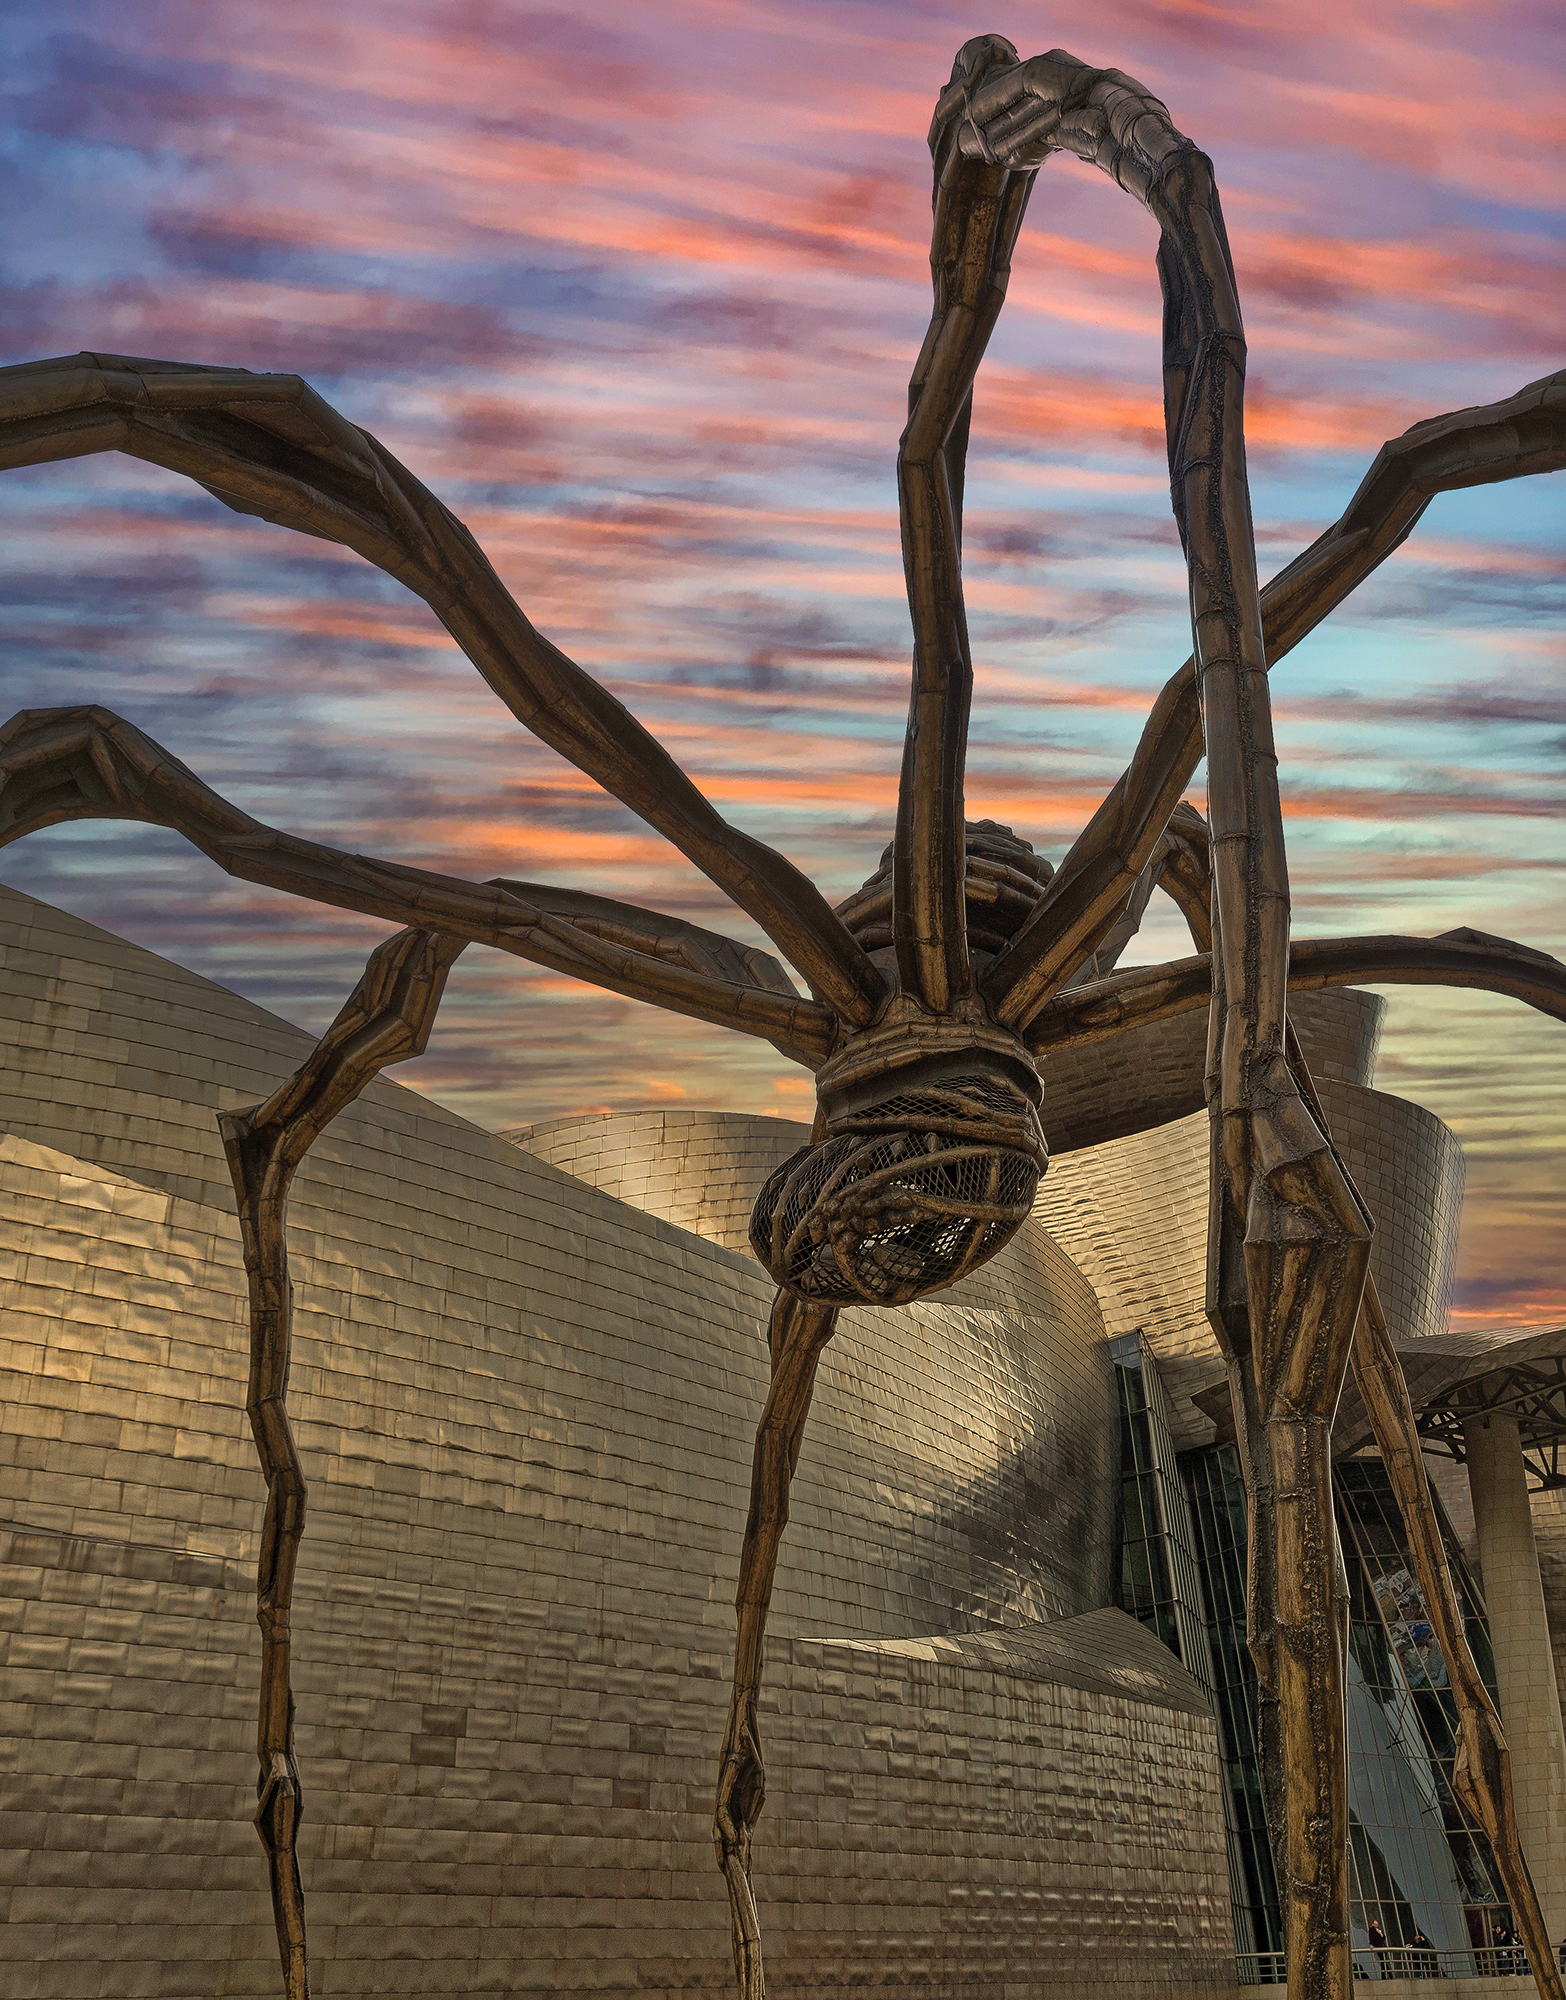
(1547, 1509)
(1524, 1663)
(1549, 1530)
(525, 1410)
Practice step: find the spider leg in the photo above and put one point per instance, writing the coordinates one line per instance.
(1155, 992)
(86, 763)
(1180, 865)
(978, 212)
(671, 939)
(268, 445)
(1521, 435)
(1482, 1774)
(977, 215)
(1184, 858)
(386, 1019)
(1125, 927)
(797, 1336)
(1290, 1238)
(1286, 1273)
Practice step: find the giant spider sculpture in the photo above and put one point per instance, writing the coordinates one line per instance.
(939, 990)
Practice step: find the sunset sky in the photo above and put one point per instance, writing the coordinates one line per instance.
(636, 290)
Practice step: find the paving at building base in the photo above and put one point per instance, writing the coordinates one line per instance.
(526, 1379)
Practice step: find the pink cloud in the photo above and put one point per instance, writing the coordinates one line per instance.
(639, 292)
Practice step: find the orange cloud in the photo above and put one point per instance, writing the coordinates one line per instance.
(639, 294)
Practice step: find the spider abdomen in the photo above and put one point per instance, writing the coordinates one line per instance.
(904, 1195)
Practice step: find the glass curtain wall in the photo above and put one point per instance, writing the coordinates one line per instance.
(1215, 1494)
(1159, 1583)
(1419, 1869)
(1417, 1861)
(1160, 1576)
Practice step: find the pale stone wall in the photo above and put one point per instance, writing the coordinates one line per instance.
(525, 1410)
(1549, 1532)
(1524, 1664)
(1548, 1510)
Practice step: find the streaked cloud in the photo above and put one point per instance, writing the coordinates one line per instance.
(638, 293)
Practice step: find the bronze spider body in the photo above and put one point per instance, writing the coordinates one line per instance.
(935, 993)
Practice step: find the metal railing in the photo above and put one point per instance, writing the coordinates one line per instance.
(1402, 1961)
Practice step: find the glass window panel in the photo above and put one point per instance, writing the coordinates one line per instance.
(1416, 1864)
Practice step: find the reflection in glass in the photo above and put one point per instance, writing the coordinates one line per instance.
(1418, 1864)
(1421, 1874)
(1215, 1494)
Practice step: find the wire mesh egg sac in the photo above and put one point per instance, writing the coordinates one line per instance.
(904, 1197)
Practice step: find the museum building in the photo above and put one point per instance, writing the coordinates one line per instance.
(1009, 1716)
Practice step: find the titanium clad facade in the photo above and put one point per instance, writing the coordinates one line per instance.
(525, 1409)
(1133, 1216)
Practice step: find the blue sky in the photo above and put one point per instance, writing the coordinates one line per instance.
(637, 293)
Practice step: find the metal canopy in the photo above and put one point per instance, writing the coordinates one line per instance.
(1456, 1378)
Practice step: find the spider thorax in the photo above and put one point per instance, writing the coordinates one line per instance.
(933, 1146)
